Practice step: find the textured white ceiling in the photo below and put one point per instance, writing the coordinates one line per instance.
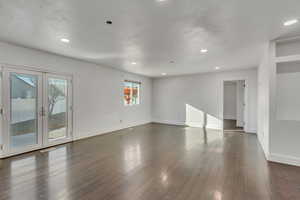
(150, 32)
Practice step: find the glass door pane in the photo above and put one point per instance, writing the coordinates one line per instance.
(57, 90)
(23, 110)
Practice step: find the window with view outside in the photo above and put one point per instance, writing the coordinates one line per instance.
(131, 93)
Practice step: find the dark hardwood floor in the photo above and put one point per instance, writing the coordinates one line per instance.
(151, 162)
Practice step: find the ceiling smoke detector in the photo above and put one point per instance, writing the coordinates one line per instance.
(109, 22)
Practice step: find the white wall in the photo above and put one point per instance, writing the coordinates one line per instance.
(98, 97)
(288, 95)
(230, 100)
(174, 96)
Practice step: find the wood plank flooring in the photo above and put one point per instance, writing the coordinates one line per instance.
(151, 162)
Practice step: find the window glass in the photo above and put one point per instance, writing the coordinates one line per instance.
(131, 93)
(23, 116)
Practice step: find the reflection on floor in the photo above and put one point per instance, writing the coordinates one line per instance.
(151, 162)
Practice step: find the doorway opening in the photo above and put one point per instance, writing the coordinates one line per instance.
(234, 105)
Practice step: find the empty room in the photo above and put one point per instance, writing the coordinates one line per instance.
(149, 100)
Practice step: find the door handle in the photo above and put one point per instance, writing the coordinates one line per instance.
(42, 112)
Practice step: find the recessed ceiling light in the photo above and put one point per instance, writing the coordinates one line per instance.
(133, 63)
(204, 50)
(65, 40)
(290, 22)
(163, 74)
(217, 68)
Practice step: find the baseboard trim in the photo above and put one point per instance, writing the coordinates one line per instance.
(214, 127)
(249, 130)
(168, 122)
(263, 147)
(108, 131)
(289, 160)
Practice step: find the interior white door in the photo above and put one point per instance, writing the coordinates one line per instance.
(22, 97)
(57, 112)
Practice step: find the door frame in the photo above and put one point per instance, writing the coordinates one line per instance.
(246, 107)
(4, 150)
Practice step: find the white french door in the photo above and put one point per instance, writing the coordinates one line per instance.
(57, 109)
(22, 105)
(37, 110)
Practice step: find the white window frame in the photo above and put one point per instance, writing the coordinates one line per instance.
(139, 93)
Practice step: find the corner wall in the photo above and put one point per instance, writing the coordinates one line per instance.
(186, 99)
(263, 101)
